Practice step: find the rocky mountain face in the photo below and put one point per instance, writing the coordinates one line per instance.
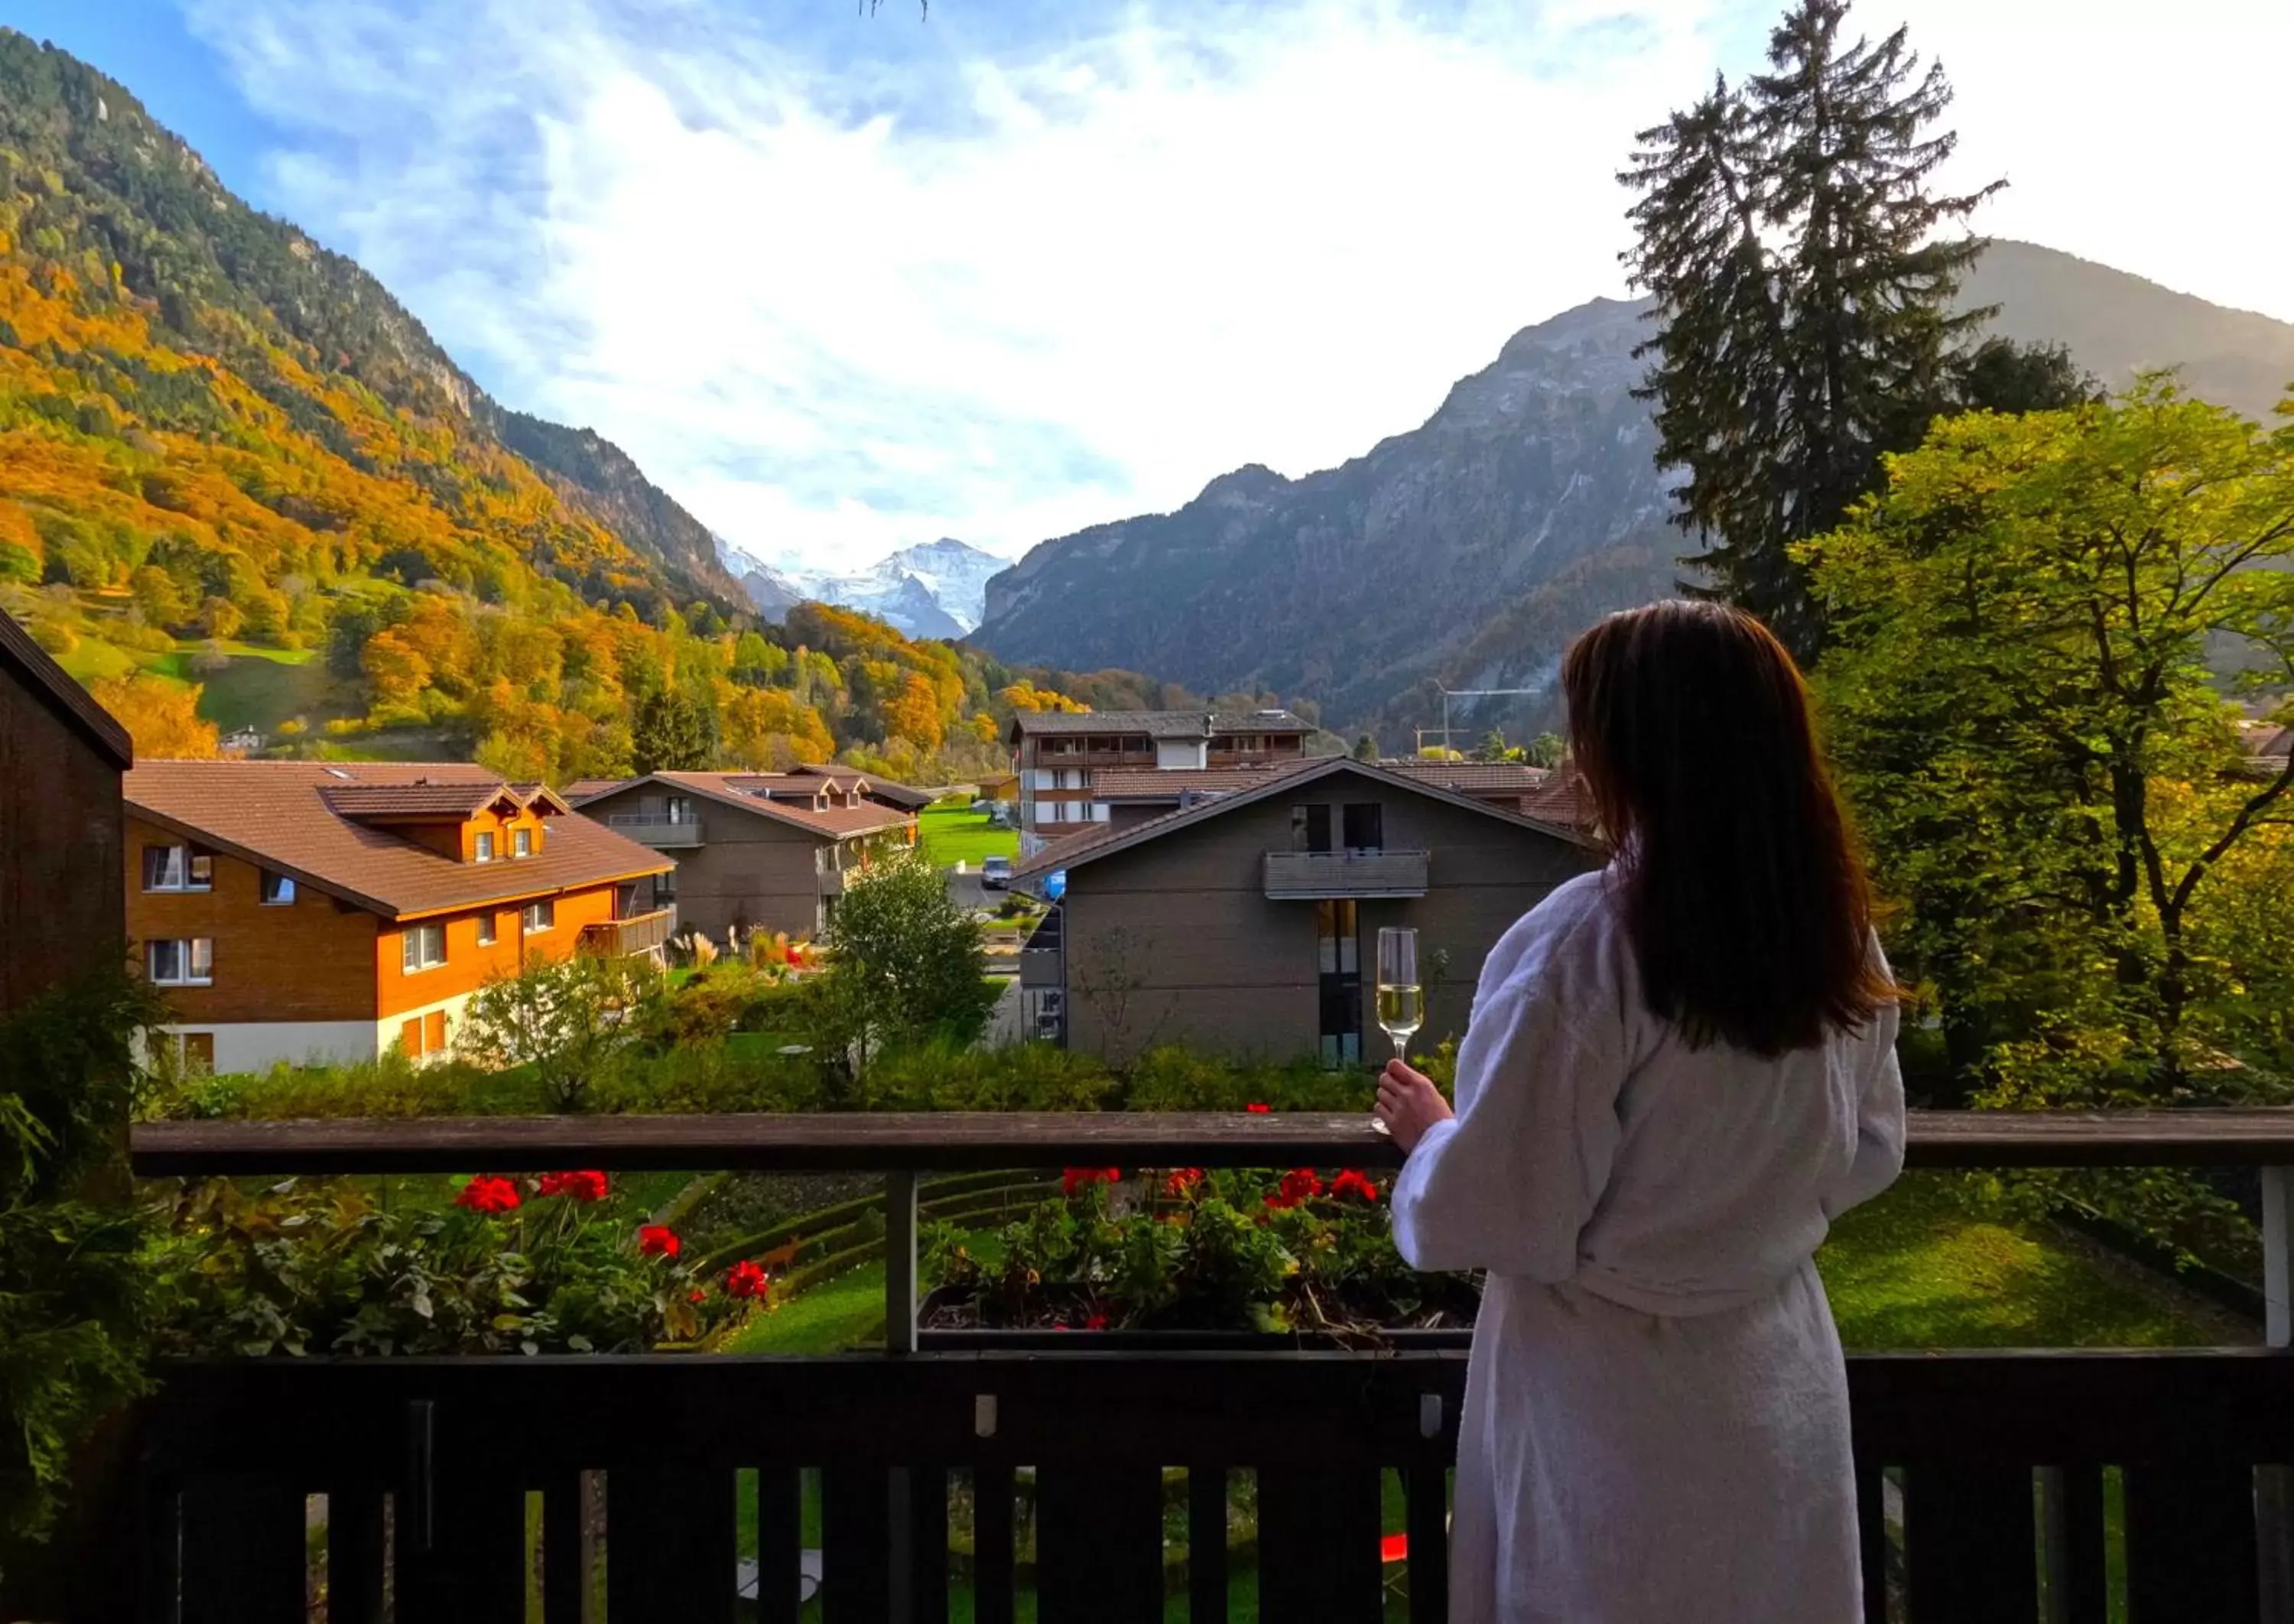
(1352, 585)
(590, 472)
(1470, 549)
(935, 590)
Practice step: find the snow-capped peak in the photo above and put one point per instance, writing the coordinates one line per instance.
(936, 589)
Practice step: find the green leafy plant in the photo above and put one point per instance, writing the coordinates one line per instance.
(71, 1295)
(328, 1266)
(562, 1018)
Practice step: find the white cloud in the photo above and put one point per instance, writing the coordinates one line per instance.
(936, 283)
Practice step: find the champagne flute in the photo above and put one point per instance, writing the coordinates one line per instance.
(1401, 1010)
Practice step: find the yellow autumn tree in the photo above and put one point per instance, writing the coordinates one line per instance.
(162, 718)
(913, 714)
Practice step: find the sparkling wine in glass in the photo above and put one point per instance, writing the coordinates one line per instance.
(1401, 1008)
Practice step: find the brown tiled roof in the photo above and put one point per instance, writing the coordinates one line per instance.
(581, 789)
(1161, 724)
(725, 787)
(278, 814)
(418, 799)
(1168, 783)
(1562, 801)
(69, 701)
(1473, 777)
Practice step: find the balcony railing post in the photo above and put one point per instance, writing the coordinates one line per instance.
(2275, 1485)
(900, 1262)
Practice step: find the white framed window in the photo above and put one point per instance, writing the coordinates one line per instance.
(540, 916)
(486, 846)
(181, 961)
(680, 808)
(177, 868)
(422, 947)
(277, 889)
(488, 929)
(521, 843)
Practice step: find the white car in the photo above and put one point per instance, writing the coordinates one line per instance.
(996, 873)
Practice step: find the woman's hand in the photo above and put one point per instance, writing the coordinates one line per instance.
(1408, 1104)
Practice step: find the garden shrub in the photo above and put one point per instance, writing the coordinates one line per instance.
(554, 1263)
(72, 1296)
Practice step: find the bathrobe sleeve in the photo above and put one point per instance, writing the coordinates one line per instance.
(1879, 1118)
(1510, 1183)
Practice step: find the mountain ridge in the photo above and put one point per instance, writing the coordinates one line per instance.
(1465, 550)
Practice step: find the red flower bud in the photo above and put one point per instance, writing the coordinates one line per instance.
(656, 1240)
(585, 1186)
(487, 1194)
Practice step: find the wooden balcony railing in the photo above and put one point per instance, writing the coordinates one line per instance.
(656, 829)
(1092, 1479)
(620, 938)
(1314, 875)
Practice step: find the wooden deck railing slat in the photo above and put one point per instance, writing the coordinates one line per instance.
(975, 1140)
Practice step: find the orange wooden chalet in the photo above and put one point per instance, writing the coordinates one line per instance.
(303, 910)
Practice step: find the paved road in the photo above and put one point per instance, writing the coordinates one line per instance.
(966, 891)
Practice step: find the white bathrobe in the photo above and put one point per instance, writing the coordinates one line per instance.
(1655, 1426)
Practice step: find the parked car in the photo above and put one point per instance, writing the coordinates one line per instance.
(996, 873)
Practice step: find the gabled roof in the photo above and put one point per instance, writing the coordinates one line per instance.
(71, 704)
(1160, 724)
(282, 815)
(1071, 854)
(1148, 784)
(1470, 777)
(725, 789)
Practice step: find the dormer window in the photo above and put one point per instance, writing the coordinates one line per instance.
(522, 842)
(486, 846)
(177, 868)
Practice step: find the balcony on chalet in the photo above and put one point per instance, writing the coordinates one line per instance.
(660, 829)
(1090, 1476)
(1317, 876)
(622, 939)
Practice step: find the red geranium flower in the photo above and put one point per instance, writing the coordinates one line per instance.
(1257, 1109)
(745, 1279)
(487, 1194)
(1183, 1182)
(698, 1296)
(1083, 1177)
(1354, 1183)
(1097, 1322)
(585, 1186)
(658, 1240)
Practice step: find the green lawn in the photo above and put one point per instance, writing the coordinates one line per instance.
(1914, 1269)
(953, 833)
(1917, 1268)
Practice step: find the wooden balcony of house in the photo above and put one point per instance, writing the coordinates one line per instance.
(622, 939)
(656, 829)
(1315, 876)
(1088, 1476)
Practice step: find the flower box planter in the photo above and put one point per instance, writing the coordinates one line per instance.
(949, 1319)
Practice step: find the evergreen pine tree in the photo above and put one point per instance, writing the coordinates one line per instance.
(1790, 243)
(674, 733)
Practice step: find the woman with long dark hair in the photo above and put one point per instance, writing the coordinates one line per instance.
(1680, 1070)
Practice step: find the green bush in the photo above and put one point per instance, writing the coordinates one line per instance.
(71, 1293)
(945, 1076)
(392, 1086)
(322, 1266)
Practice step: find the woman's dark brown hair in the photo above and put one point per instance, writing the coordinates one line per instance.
(1744, 895)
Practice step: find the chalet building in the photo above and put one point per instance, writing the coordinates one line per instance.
(61, 756)
(770, 850)
(1247, 923)
(301, 910)
(1059, 755)
(1540, 795)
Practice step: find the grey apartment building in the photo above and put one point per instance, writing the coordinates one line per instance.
(1246, 923)
(1060, 756)
(774, 850)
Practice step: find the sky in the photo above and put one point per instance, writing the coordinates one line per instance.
(844, 282)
